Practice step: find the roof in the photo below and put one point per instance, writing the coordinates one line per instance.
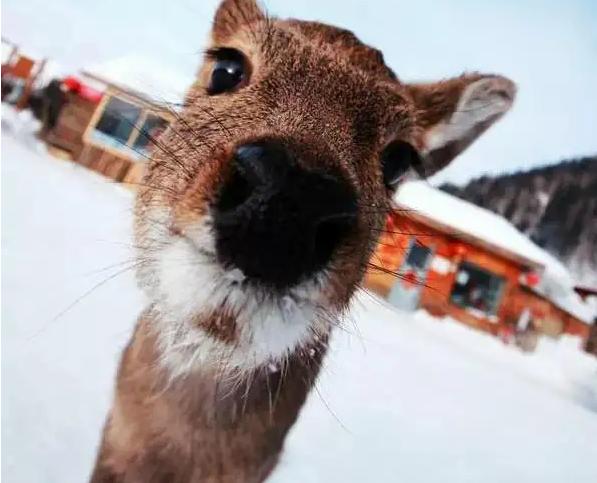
(147, 78)
(465, 220)
(477, 225)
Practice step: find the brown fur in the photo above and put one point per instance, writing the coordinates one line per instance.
(334, 101)
(201, 428)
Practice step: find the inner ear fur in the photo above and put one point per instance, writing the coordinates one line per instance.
(453, 113)
(232, 15)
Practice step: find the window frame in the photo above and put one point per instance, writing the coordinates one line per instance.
(491, 314)
(414, 244)
(146, 109)
(145, 113)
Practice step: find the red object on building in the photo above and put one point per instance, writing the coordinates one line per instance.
(409, 279)
(90, 94)
(71, 83)
(86, 92)
(459, 249)
(532, 279)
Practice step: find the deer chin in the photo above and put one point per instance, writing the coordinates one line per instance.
(191, 290)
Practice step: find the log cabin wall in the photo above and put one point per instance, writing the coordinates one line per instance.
(578, 328)
(545, 318)
(111, 164)
(134, 175)
(447, 255)
(74, 128)
(591, 345)
(548, 318)
(72, 122)
(118, 164)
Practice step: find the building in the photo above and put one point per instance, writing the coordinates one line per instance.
(590, 294)
(455, 259)
(113, 113)
(20, 72)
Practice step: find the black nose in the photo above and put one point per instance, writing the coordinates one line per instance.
(277, 222)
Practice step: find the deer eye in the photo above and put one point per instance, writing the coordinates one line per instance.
(228, 71)
(396, 159)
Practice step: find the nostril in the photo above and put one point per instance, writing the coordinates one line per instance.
(250, 162)
(278, 222)
(257, 169)
(328, 235)
(235, 192)
(262, 163)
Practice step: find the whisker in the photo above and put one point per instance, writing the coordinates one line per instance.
(83, 297)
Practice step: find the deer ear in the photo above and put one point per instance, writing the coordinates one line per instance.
(453, 113)
(233, 15)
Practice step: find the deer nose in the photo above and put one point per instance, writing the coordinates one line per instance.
(278, 222)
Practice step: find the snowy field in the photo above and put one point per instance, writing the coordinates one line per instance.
(402, 398)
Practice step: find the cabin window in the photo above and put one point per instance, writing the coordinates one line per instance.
(117, 122)
(477, 290)
(151, 129)
(128, 128)
(417, 257)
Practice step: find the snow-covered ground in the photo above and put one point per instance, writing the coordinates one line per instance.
(403, 397)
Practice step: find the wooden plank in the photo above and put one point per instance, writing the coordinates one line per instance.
(134, 175)
(71, 124)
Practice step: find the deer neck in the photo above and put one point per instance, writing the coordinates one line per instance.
(209, 424)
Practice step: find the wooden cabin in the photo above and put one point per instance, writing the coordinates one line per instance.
(19, 74)
(590, 294)
(454, 259)
(111, 118)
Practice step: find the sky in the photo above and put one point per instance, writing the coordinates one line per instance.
(548, 47)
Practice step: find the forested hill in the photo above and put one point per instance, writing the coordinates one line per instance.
(555, 205)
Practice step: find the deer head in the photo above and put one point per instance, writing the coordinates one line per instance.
(265, 199)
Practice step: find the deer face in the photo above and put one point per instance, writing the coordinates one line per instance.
(265, 199)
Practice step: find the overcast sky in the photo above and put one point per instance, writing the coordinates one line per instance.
(549, 47)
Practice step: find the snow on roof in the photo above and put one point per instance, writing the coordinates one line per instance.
(144, 76)
(473, 222)
(464, 218)
(6, 51)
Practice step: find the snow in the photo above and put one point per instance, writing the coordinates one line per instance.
(466, 218)
(402, 397)
(60, 225)
(463, 217)
(6, 50)
(410, 399)
(152, 79)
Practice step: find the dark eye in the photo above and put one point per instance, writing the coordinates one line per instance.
(228, 71)
(396, 159)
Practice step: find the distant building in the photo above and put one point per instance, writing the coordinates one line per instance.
(20, 72)
(590, 294)
(455, 259)
(113, 113)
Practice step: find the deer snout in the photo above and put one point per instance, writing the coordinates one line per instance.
(278, 222)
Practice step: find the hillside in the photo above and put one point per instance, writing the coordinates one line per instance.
(555, 205)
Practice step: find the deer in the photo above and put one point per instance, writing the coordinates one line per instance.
(259, 210)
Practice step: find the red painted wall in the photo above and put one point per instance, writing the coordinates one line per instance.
(437, 287)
